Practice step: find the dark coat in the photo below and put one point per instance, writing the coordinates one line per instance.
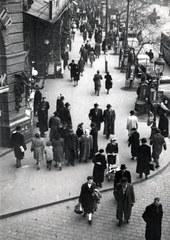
(67, 117)
(96, 118)
(43, 116)
(108, 82)
(58, 149)
(59, 108)
(120, 174)
(94, 133)
(109, 121)
(153, 218)
(54, 125)
(97, 81)
(71, 144)
(72, 68)
(86, 198)
(98, 170)
(124, 202)
(134, 143)
(17, 140)
(164, 125)
(158, 142)
(37, 100)
(143, 159)
(112, 148)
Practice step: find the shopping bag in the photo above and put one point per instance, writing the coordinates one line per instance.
(78, 209)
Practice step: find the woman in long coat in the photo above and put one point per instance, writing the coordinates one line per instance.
(86, 197)
(58, 150)
(164, 125)
(43, 116)
(99, 167)
(108, 82)
(81, 65)
(86, 145)
(37, 147)
(109, 117)
(143, 159)
(54, 124)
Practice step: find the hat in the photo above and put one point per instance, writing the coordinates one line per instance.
(132, 112)
(133, 129)
(101, 151)
(80, 124)
(143, 140)
(123, 166)
(113, 139)
(89, 177)
(67, 104)
(56, 113)
(96, 105)
(108, 106)
(93, 124)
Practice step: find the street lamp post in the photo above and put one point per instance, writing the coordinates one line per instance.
(126, 51)
(106, 36)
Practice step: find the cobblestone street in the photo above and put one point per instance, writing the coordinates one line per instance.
(60, 222)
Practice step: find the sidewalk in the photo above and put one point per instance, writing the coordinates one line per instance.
(24, 188)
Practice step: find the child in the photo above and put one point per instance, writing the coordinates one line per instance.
(48, 154)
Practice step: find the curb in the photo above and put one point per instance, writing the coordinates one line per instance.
(12, 214)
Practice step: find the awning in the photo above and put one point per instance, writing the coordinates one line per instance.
(40, 9)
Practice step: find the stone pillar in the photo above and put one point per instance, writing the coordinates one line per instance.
(12, 57)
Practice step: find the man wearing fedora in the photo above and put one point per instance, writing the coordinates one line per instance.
(109, 117)
(123, 172)
(143, 159)
(95, 115)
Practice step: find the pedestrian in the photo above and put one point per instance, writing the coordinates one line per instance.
(125, 198)
(81, 50)
(143, 159)
(48, 150)
(157, 143)
(97, 82)
(88, 47)
(60, 106)
(97, 49)
(109, 117)
(37, 101)
(86, 198)
(86, 143)
(43, 116)
(54, 124)
(84, 35)
(95, 115)
(112, 150)
(91, 56)
(164, 124)
(81, 66)
(37, 147)
(94, 134)
(123, 172)
(132, 122)
(58, 150)
(71, 147)
(76, 75)
(151, 55)
(79, 133)
(108, 82)
(153, 217)
(104, 46)
(134, 143)
(72, 67)
(99, 161)
(18, 144)
(67, 115)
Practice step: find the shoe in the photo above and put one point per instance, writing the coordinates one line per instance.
(90, 222)
(157, 166)
(119, 224)
(85, 161)
(60, 168)
(38, 168)
(127, 221)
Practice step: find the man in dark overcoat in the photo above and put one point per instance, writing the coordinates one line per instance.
(18, 144)
(54, 125)
(95, 115)
(109, 117)
(143, 159)
(67, 116)
(86, 198)
(72, 68)
(43, 116)
(134, 142)
(125, 197)
(71, 147)
(99, 167)
(97, 82)
(94, 134)
(153, 217)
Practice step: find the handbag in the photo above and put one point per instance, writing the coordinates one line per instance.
(151, 167)
(78, 209)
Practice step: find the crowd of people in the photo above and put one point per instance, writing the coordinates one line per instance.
(65, 144)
